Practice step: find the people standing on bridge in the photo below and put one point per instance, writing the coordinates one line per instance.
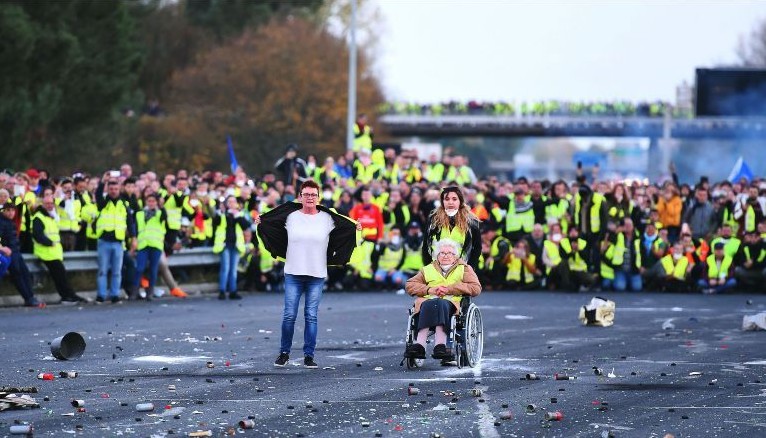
(48, 248)
(309, 237)
(10, 247)
(453, 220)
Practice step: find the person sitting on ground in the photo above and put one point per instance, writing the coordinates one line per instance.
(522, 273)
(676, 270)
(750, 262)
(719, 272)
(438, 289)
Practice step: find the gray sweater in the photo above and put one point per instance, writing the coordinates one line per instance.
(701, 219)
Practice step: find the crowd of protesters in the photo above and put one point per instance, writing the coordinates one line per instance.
(538, 108)
(556, 235)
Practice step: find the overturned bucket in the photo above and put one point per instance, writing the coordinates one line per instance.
(69, 346)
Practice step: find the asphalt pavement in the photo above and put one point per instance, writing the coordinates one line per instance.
(206, 365)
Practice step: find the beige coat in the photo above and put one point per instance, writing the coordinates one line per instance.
(417, 286)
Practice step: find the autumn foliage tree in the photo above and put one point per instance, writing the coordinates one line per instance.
(284, 83)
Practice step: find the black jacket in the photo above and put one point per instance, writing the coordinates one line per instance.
(8, 235)
(273, 233)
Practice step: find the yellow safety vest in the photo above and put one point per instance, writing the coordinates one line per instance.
(519, 221)
(361, 259)
(730, 246)
(553, 253)
(267, 260)
(576, 263)
(454, 234)
(434, 278)
(362, 140)
(220, 237)
(65, 222)
(113, 218)
(151, 234)
(514, 269)
(390, 259)
(55, 251)
(750, 219)
(676, 269)
(557, 212)
(616, 254)
(435, 173)
(714, 272)
(175, 211)
(413, 259)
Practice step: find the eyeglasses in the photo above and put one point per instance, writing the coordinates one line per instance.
(309, 195)
(445, 254)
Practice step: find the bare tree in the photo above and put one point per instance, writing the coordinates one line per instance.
(752, 47)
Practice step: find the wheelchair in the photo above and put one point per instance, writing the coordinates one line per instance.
(465, 339)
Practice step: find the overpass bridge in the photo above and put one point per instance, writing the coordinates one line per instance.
(573, 126)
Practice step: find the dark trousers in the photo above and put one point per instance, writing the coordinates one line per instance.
(21, 277)
(58, 275)
(68, 240)
(81, 243)
(129, 280)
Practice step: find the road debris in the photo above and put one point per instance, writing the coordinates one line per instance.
(599, 312)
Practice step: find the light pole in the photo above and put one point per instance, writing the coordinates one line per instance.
(351, 80)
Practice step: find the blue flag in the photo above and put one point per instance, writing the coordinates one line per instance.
(232, 158)
(740, 170)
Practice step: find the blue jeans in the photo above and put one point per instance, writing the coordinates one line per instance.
(152, 257)
(397, 278)
(720, 288)
(227, 277)
(295, 285)
(109, 258)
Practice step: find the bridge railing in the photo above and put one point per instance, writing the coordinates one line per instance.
(78, 261)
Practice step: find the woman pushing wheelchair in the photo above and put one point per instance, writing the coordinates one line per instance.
(439, 288)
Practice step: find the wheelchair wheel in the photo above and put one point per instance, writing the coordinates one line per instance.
(474, 336)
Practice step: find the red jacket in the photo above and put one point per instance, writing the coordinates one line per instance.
(371, 219)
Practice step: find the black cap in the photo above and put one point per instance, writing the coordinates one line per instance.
(718, 245)
(8, 205)
(414, 224)
(291, 147)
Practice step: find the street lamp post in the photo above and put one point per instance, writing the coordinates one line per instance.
(351, 80)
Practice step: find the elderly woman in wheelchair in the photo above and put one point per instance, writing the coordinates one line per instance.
(439, 289)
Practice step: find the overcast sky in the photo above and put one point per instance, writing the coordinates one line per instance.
(438, 50)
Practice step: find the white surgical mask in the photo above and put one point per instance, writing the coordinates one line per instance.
(327, 195)
(396, 240)
(677, 257)
(451, 213)
(556, 237)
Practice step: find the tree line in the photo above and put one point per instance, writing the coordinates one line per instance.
(87, 84)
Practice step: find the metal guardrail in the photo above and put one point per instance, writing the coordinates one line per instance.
(88, 260)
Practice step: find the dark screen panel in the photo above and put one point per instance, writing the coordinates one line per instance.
(731, 92)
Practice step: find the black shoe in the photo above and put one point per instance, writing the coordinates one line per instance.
(100, 300)
(415, 351)
(441, 352)
(221, 296)
(80, 299)
(308, 362)
(235, 296)
(282, 360)
(116, 300)
(69, 301)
